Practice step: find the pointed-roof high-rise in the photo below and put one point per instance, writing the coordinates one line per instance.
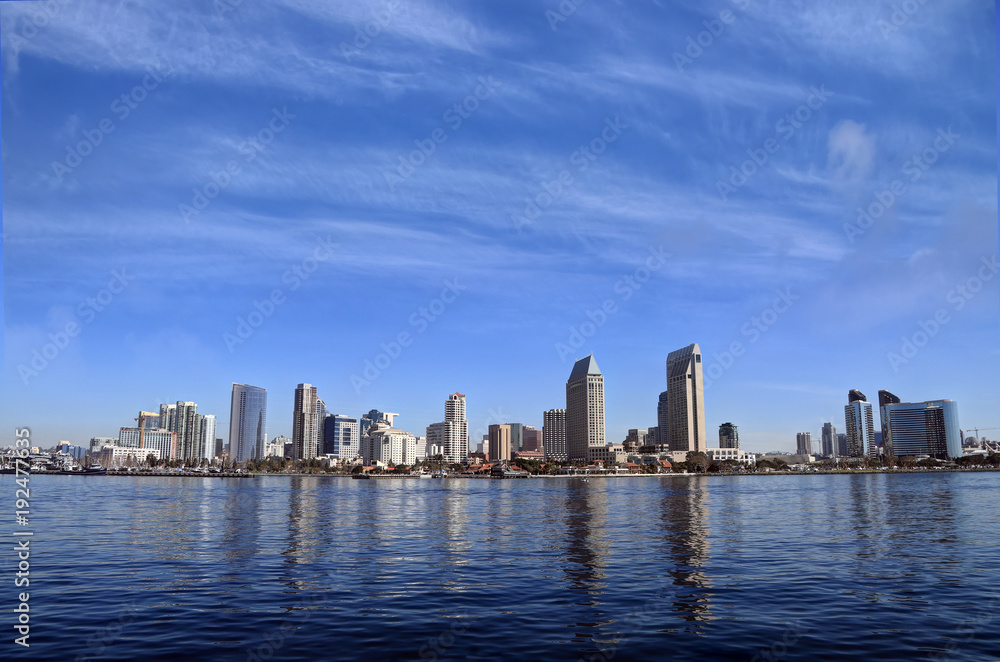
(584, 409)
(686, 400)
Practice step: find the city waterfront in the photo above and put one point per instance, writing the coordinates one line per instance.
(827, 567)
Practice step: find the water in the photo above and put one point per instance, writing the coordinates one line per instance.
(678, 567)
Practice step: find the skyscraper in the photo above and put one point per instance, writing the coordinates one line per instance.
(860, 425)
(686, 400)
(828, 443)
(920, 428)
(305, 431)
(499, 442)
(584, 409)
(452, 434)
(247, 422)
(207, 433)
(663, 420)
(554, 434)
(187, 425)
(729, 436)
(803, 443)
(340, 437)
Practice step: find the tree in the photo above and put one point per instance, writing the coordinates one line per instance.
(698, 461)
(907, 461)
(151, 461)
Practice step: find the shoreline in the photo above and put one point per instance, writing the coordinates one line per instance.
(556, 476)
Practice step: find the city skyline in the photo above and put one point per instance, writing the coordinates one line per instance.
(490, 201)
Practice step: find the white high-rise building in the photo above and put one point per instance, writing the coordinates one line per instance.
(163, 441)
(686, 400)
(305, 431)
(208, 435)
(860, 424)
(452, 434)
(584, 409)
(247, 423)
(392, 446)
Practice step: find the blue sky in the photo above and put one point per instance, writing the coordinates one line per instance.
(209, 160)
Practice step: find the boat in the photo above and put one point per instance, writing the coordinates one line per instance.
(362, 476)
(92, 470)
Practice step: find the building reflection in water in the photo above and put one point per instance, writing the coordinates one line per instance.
(588, 553)
(684, 522)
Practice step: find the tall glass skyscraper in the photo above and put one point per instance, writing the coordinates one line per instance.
(247, 422)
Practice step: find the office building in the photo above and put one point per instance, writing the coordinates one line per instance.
(532, 440)
(653, 435)
(920, 428)
(500, 442)
(132, 456)
(859, 423)
(452, 434)
(729, 436)
(391, 446)
(663, 420)
(340, 437)
(554, 434)
(828, 440)
(163, 441)
(842, 445)
(803, 443)
(167, 415)
(305, 428)
(685, 400)
(97, 443)
(731, 453)
(247, 422)
(584, 409)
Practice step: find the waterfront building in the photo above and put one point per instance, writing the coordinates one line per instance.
(653, 436)
(340, 437)
(208, 435)
(391, 446)
(305, 428)
(112, 457)
(920, 428)
(842, 445)
(247, 422)
(584, 409)
(663, 419)
(635, 439)
(860, 425)
(685, 400)
(554, 434)
(607, 453)
(500, 446)
(828, 442)
(803, 443)
(183, 420)
(533, 440)
(163, 441)
(731, 453)
(729, 436)
(452, 434)
(97, 443)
